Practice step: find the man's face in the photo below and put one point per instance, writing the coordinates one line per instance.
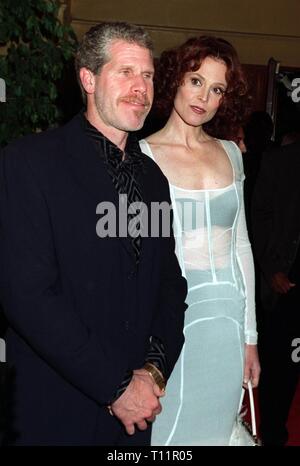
(124, 88)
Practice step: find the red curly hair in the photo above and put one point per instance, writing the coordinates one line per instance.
(174, 63)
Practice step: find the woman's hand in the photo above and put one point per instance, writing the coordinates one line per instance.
(252, 366)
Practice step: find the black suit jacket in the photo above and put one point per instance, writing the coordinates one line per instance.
(276, 215)
(80, 314)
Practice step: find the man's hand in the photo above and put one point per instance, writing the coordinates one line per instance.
(280, 283)
(139, 403)
(252, 366)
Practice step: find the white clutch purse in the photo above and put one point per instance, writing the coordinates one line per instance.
(243, 434)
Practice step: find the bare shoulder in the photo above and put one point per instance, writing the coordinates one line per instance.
(218, 151)
(215, 145)
(160, 144)
(157, 139)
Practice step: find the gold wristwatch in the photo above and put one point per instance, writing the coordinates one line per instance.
(155, 373)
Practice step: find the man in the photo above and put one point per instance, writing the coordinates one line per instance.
(95, 321)
(276, 238)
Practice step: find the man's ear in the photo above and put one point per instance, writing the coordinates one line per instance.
(87, 79)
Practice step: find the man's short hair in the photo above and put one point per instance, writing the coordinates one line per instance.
(93, 51)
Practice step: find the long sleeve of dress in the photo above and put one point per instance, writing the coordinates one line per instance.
(245, 259)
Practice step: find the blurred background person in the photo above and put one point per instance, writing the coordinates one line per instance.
(239, 139)
(257, 140)
(276, 238)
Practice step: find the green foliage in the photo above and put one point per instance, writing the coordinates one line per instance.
(39, 47)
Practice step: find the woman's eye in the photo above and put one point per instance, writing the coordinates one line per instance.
(219, 91)
(196, 82)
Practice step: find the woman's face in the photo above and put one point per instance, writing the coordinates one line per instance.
(200, 95)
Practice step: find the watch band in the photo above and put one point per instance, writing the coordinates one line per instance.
(155, 373)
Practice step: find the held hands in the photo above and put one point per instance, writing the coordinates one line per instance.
(252, 366)
(139, 403)
(280, 283)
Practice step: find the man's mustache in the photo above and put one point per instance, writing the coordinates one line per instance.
(136, 100)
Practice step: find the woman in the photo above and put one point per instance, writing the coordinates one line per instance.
(201, 83)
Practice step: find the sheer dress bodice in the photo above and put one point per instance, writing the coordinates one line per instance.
(215, 256)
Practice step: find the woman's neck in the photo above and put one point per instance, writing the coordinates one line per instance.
(178, 132)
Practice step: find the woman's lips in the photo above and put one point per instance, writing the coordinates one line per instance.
(198, 110)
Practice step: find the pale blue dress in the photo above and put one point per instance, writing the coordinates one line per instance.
(213, 249)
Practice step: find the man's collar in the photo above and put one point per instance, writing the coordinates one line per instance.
(132, 147)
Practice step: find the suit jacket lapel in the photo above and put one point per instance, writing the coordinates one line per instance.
(90, 171)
